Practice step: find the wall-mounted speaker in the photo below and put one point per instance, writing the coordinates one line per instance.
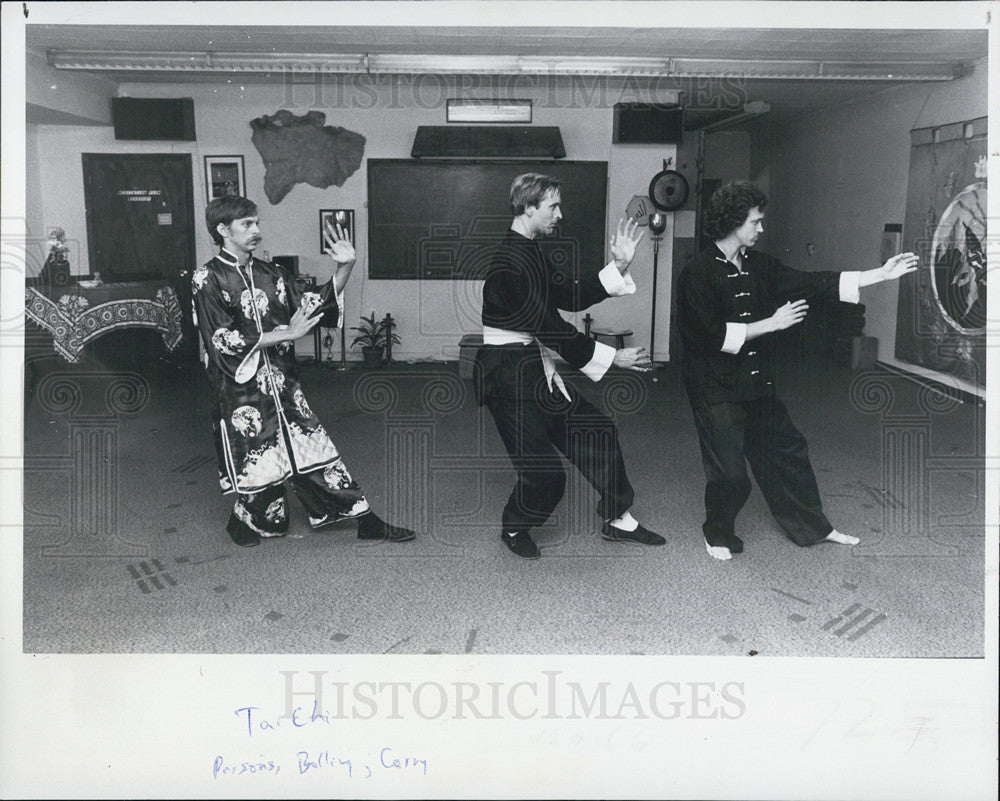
(153, 118)
(648, 124)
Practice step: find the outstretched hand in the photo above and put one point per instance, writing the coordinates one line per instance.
(338, 243)
(633, 359)
(788, 315)
(623, 243)
(301, 324)
(899, 265)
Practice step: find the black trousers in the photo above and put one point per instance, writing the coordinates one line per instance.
(759, 432)
(535, 432)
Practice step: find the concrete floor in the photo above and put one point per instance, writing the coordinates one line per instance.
(125, 548)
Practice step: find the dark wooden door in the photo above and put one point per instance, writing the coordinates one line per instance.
(140, 223)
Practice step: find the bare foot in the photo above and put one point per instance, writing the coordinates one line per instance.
(718, 552)
(843, 539)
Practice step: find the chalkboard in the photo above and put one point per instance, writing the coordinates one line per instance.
(442, 219)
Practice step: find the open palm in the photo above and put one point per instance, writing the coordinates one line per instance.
(624, 241)
(899, 265)
(338, 244)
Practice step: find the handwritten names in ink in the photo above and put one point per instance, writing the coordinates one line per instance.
(338, 765)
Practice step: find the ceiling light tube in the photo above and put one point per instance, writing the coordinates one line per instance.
(404, 63)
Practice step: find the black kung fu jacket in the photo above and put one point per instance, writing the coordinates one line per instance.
(713, 295)
(523, 293)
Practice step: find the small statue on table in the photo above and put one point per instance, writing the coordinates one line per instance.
(55, 272)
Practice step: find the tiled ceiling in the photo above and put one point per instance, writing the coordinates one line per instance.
(953, 48)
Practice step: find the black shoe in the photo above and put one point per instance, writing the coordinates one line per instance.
(241, 533)
(641, 535)
(520, 543)
(331, 518)
(316, 523)
(372, 527)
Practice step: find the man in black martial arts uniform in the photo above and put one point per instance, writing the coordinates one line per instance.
(730, 299)
(536, 414)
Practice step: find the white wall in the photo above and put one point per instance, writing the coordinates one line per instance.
(66, 95)
(70, 99)
(432, 315)
(838, 175)
(33, 186)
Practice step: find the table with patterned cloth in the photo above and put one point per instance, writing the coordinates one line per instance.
(75, 314)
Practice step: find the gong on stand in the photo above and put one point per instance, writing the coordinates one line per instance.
(668, 191)
(657, 225)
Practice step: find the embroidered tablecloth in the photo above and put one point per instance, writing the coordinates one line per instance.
(75, 315)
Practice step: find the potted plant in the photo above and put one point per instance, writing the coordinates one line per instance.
(372, 336)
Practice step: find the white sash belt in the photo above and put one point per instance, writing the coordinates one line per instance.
(500, 336)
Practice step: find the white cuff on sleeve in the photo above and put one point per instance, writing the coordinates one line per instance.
(598, 365)
(248, 367)
(736, 335)
(615, 283)
(850, 286)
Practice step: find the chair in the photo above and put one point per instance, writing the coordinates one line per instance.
(618, 334)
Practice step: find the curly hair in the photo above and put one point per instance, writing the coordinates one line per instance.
(223, 210)
(530, 189)
(730, 206)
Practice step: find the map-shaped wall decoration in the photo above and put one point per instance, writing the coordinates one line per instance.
(304, 150)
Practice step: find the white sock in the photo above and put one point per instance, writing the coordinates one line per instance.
(626, 522)
(843, 539)
(718, 552)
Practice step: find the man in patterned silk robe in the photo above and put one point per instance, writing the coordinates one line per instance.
(250, 313)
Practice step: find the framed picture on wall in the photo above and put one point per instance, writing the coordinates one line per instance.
(224, 176)
(342, 217)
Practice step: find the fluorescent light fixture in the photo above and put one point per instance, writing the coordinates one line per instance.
(473, 110)
(405, 63)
